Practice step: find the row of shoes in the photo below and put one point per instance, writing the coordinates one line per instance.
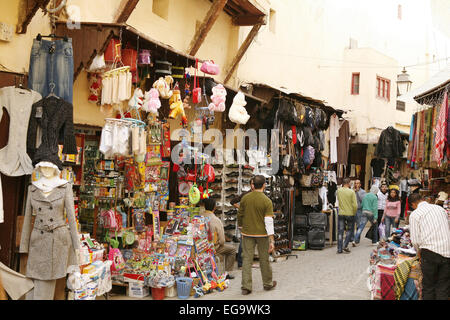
(231, 212)
(230, 219)
(284, 251)
(229, 227)
(278, 236)
(280, 243)
(280, 228)
(279, 216)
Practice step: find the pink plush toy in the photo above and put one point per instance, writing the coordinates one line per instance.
(218, 98)
(152, 102)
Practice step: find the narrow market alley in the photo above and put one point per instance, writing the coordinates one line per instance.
(315, 275)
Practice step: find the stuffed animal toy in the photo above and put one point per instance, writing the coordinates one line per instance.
(163, 85)
(238, 114)
(137, 100)
(177, 107)
(152, 102)
(218, 98)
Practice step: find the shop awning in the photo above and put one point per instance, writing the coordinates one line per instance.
(434, 86)
(301, 97)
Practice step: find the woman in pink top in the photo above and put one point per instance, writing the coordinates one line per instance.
(392, 211)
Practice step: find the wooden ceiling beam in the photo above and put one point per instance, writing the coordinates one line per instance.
(125, 10)
(27, 11)
(205, 27)
(242, 50)
(249, 20)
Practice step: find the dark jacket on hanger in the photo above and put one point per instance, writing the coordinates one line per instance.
(390, 144)
(55, 117)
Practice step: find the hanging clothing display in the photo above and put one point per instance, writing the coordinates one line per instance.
(390, 145)
(441, 131)
(343, 143)
(51, 68)
(428, 136)
(334, 134)
(55, 117)
(51, 244)
(116, 86)
(14, 160)
(123, 137)
(377, 167)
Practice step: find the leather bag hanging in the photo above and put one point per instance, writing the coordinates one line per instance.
(129, 58)
(113, 50)
(197, 92)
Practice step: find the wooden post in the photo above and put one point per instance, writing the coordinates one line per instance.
(206, 26)
(125, 10)
(242, 50)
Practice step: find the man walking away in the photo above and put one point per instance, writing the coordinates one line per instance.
(430, 235)
(347, 212)
(360, 193)
(369, 213)
(235, 203)
(255, 217)
(226, 251)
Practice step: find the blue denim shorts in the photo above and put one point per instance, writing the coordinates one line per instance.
(51, 67)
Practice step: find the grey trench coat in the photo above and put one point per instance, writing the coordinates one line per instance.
(52, 242)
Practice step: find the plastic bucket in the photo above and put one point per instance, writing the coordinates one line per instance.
(184, 286)
(158, 293)
(171, 292)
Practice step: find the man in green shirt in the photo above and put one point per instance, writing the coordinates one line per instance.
(255, 219)
(347, 211)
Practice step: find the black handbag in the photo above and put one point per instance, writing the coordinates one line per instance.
(369, 234)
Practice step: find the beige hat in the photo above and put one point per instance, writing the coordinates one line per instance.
(442, 196)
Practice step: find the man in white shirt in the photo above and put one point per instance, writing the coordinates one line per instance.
(430, 235)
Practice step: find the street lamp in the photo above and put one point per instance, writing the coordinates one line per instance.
(403, 83)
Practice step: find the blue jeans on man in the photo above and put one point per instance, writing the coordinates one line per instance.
(358, 217)
(367, 216)
(343, 221)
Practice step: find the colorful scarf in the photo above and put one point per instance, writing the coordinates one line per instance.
(440, 131)
(387, 282)
(401, 276)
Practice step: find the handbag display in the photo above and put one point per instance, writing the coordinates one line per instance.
(210, 67)
(144, 57)
(305, 180)
(197, 91)
(113, 51)
(129, 58)
(316, 179)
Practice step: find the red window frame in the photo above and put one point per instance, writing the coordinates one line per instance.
(383, 88)
(352, 90)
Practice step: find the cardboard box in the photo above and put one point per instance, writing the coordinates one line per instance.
(137, 290)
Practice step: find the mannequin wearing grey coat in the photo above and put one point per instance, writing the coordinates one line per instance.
(52, 243)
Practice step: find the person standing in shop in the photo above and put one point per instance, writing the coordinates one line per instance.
(369, 213)
(391, 215)
(347, 211)
(360, 194)
(382, 196)
(235, 203)
(227, 251)
(430, 235)
(255, 218)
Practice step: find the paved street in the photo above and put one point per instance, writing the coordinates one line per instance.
(314, 275)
